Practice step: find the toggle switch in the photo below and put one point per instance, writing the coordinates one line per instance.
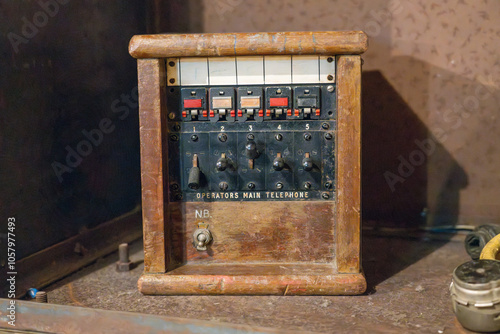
(201, 238)
(194, 174)
(251, 153)
(222, 163)
(251, 150)
(307, 162)
(279, 162)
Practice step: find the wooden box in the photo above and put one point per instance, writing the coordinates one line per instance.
(293, 247)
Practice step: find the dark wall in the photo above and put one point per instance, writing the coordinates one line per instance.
(69, 145)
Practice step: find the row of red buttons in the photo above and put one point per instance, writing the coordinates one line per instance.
(261, 113)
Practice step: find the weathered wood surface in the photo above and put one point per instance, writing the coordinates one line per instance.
(248, 44)
(349, 164)
(151, 74)
(257, 279)
(290, 231)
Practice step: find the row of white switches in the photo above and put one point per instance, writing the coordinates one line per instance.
(250, 70)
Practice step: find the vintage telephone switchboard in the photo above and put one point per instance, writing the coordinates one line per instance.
(250, 161)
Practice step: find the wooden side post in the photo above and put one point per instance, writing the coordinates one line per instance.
(349, 164)
(151, 100)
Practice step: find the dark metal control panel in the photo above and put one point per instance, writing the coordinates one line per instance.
(234, 143)
(251, 128)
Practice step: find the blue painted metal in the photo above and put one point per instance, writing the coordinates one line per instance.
(69, 319)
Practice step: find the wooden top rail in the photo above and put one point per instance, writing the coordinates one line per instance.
(248, 44)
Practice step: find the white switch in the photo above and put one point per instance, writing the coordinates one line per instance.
(250, 70)
(305, 69)
(194, 71)
(221, 71)
(278, 69)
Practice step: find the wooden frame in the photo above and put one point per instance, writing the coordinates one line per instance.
(320, 266)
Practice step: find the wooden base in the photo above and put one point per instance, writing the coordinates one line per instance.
(253, 279)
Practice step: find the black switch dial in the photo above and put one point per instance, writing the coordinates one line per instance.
(251, 150)
(307, 163)
(194, 174)
(222, 163)
(278, 162)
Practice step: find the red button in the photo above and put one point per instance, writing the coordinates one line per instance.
(204, 113)
(317, 112)
(232, 113)
(289, 112)
(192, 103)
(278, 101)
(212, 114)
(268, 112)
(184, 114)
(261, 113)
(296, 112)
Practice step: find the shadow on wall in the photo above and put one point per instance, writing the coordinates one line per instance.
(409, 179)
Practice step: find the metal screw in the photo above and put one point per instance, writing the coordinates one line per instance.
(32, 293)
(194, 137)
(325, 196)
(250, 137)
(329, 77)
(279, 185)
(328, 136)
(251, 185)
(328, 185)
(177, 127)
(223, 186)
(171, 64)
(279, 137)
(329, 59)
(325, 126)
(278, 91)
(178, 197)
(307, 136)
(41, 297)
(330, 88)
(172, 80)
(222, 137)
(174, 138)
(174, 186)
(124, 263)
(171, 115)
(307, 185)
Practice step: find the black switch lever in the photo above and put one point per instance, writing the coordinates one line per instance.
(194, 174)
(279, 162)
(307, 163)
(251, 150)
(222, 163)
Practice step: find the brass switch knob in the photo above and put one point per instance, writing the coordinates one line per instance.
(201, 238)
